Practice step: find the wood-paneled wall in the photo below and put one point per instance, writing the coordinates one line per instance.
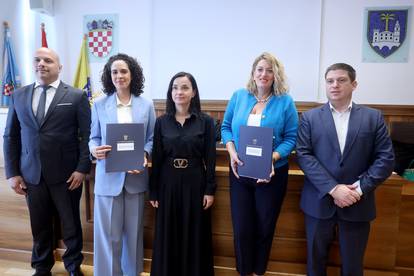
(216, 108)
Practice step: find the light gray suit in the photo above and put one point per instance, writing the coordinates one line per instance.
(119, 197)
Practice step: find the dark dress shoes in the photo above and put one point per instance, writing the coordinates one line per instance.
(76, 272)
(42, 273)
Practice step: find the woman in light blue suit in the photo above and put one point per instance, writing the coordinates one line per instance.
(119, 196)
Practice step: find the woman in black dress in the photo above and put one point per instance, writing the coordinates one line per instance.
(183, 184)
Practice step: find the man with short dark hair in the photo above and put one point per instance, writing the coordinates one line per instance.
(345, 152)
(46, 159)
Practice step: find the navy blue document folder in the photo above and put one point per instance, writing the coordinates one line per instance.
(127, 141)
(255, 151)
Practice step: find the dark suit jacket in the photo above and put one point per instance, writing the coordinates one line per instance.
(54, 149)
(367, 156)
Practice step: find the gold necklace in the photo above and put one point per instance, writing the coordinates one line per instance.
(263, 100)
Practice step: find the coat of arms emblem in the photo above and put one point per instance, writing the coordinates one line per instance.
(387, 30)
(100, 37)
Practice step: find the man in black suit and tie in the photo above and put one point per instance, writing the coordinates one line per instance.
(345, 152)
(46, 158)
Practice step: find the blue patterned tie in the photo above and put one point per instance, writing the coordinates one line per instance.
(40, 114)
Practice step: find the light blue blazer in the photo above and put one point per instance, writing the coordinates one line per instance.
(280, 114)
(104, 111)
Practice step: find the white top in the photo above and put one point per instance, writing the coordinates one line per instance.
(124, 111)
(254, 119)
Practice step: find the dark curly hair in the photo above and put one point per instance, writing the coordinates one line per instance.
(137, 77)
(195, 101)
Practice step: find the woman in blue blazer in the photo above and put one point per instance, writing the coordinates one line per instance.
(256, 203)
(119, 196)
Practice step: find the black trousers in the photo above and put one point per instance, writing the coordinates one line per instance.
(255, 209)
(42, 200)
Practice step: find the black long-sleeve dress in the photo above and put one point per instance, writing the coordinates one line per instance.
(182, 245)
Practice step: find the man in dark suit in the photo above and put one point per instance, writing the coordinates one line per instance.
(46, 158)
(345, 152)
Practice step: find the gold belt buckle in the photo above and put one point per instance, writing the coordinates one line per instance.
(180, 163)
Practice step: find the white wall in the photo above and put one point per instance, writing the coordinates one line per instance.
(19, 16)
(218, 40)
(12, 12)
(202, 38)
(3, 116)
(134, 36)
(342, 34)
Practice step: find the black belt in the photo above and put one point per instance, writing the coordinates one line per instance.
(184, 163)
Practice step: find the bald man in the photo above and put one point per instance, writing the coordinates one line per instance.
(46, 158)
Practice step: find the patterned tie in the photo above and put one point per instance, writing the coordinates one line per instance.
(40, 114)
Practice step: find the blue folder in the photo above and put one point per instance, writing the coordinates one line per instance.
(255, 151)
(127, 141)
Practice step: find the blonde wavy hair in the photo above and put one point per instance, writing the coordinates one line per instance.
(279, 86)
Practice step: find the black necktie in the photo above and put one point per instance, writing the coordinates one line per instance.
(42, 105)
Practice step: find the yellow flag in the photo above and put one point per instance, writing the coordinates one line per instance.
(82, 77)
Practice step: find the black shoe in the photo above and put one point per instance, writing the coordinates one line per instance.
(42, 273)
(76, 272)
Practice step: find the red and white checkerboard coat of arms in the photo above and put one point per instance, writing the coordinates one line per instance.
(100, 42)
(8, 89)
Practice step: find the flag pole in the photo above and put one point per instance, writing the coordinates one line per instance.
(44, 40)
(2, 97)
(10, 76)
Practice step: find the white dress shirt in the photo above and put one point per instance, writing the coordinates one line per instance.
(341, 120)
(50, 94)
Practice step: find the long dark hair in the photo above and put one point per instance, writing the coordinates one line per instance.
(195, 101)
(137, 76)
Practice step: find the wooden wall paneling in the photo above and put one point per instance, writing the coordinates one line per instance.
(405, 250)
(382, 244)
(216, 108)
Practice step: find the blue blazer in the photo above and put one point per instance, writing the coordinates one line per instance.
(104, 111)
(368, 156)
(55, 148)
(280, 114)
